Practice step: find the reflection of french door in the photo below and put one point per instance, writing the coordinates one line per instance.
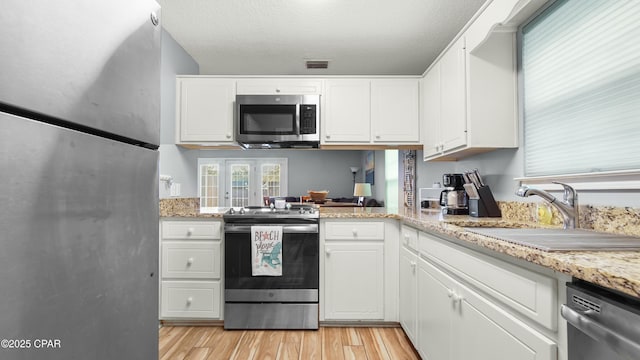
(240, 182)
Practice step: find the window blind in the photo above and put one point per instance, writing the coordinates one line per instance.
(581, 88)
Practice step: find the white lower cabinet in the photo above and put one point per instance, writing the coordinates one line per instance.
(190, 299)
(190, 263)
(354, 281)
(359, 270)
(456, 322)
(408, 305)
(458, 304)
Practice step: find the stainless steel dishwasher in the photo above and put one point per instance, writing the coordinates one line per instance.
(601, 324)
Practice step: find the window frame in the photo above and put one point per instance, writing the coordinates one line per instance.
(255, 181)
(605, 180)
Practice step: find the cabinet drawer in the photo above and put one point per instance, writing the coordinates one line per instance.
(190, 299)
(533, 295)
(354, 230)
(191, 230)
(409, 237)
(191, 259)
(278, 86)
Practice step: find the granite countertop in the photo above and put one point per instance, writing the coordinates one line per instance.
(618, 270)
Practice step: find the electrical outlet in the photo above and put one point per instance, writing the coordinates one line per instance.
(175, 189)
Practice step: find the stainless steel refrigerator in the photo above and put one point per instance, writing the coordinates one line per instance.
(79, 132)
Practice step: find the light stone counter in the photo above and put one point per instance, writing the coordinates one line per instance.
(618, 270)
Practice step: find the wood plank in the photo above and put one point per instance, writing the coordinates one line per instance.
(397, 344)
(214, 343)
(373, 345)
(248, 344)
(197, 353)
(170, 339)
(291, 344)
(223, 344)
(269, 345)
(311, 345)
(332, 344)
(355, 352)
(182, 347)
(208, 333)
(349, 336)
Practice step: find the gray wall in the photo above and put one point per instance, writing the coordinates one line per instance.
(174, 61)
(500, 167)
(308, 169)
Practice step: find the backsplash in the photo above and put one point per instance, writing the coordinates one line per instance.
(617, 220)
(176, 207)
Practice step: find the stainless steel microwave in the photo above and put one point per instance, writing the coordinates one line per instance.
(278, 121)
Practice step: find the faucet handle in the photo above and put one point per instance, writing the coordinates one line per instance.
(570, 194)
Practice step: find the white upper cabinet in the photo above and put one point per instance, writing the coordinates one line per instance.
(444, 103)
(371, 111)
(478, 108)
(394, 110)
(204, 110)
(453, 122)
(279, 86)
(346, 112)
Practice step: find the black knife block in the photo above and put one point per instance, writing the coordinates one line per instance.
(485, 205)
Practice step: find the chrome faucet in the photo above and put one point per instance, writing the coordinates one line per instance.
(568, 207)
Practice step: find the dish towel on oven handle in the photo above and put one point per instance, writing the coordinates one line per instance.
(266, 250)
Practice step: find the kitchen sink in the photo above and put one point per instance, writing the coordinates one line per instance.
(561, 239)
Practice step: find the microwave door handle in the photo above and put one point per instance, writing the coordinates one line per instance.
(297, 130)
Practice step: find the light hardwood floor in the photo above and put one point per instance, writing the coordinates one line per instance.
(185, 342)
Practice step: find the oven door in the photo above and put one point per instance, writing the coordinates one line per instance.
(300, 266)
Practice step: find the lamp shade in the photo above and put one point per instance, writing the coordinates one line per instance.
(362, 189)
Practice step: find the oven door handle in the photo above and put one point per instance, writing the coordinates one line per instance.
(287, 229)
(616, 341)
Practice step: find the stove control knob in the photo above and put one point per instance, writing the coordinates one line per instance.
(312, 211)
(288, 206)
(301, 211)
(242, 211)
(232, 211)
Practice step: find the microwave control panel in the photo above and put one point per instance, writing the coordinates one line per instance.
(308, 119)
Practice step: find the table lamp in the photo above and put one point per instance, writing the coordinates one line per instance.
(361, 190)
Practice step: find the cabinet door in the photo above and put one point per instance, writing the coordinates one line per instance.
(205, 110)
(346, 116)
(435, 313)
(190, 299)
(486, 332)
(453, 120)
(431, 112)
(408, 293)
(354, 281)
(394, 110)
(275, 86)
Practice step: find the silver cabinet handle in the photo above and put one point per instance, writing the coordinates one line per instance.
(597, 331)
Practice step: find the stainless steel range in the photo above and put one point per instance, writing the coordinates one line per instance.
(285, 301)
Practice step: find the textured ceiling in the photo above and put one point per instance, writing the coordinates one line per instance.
(275, 37)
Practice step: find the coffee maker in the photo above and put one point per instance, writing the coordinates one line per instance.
(454, 198)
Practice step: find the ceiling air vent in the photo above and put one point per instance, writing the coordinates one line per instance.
(317, 64)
